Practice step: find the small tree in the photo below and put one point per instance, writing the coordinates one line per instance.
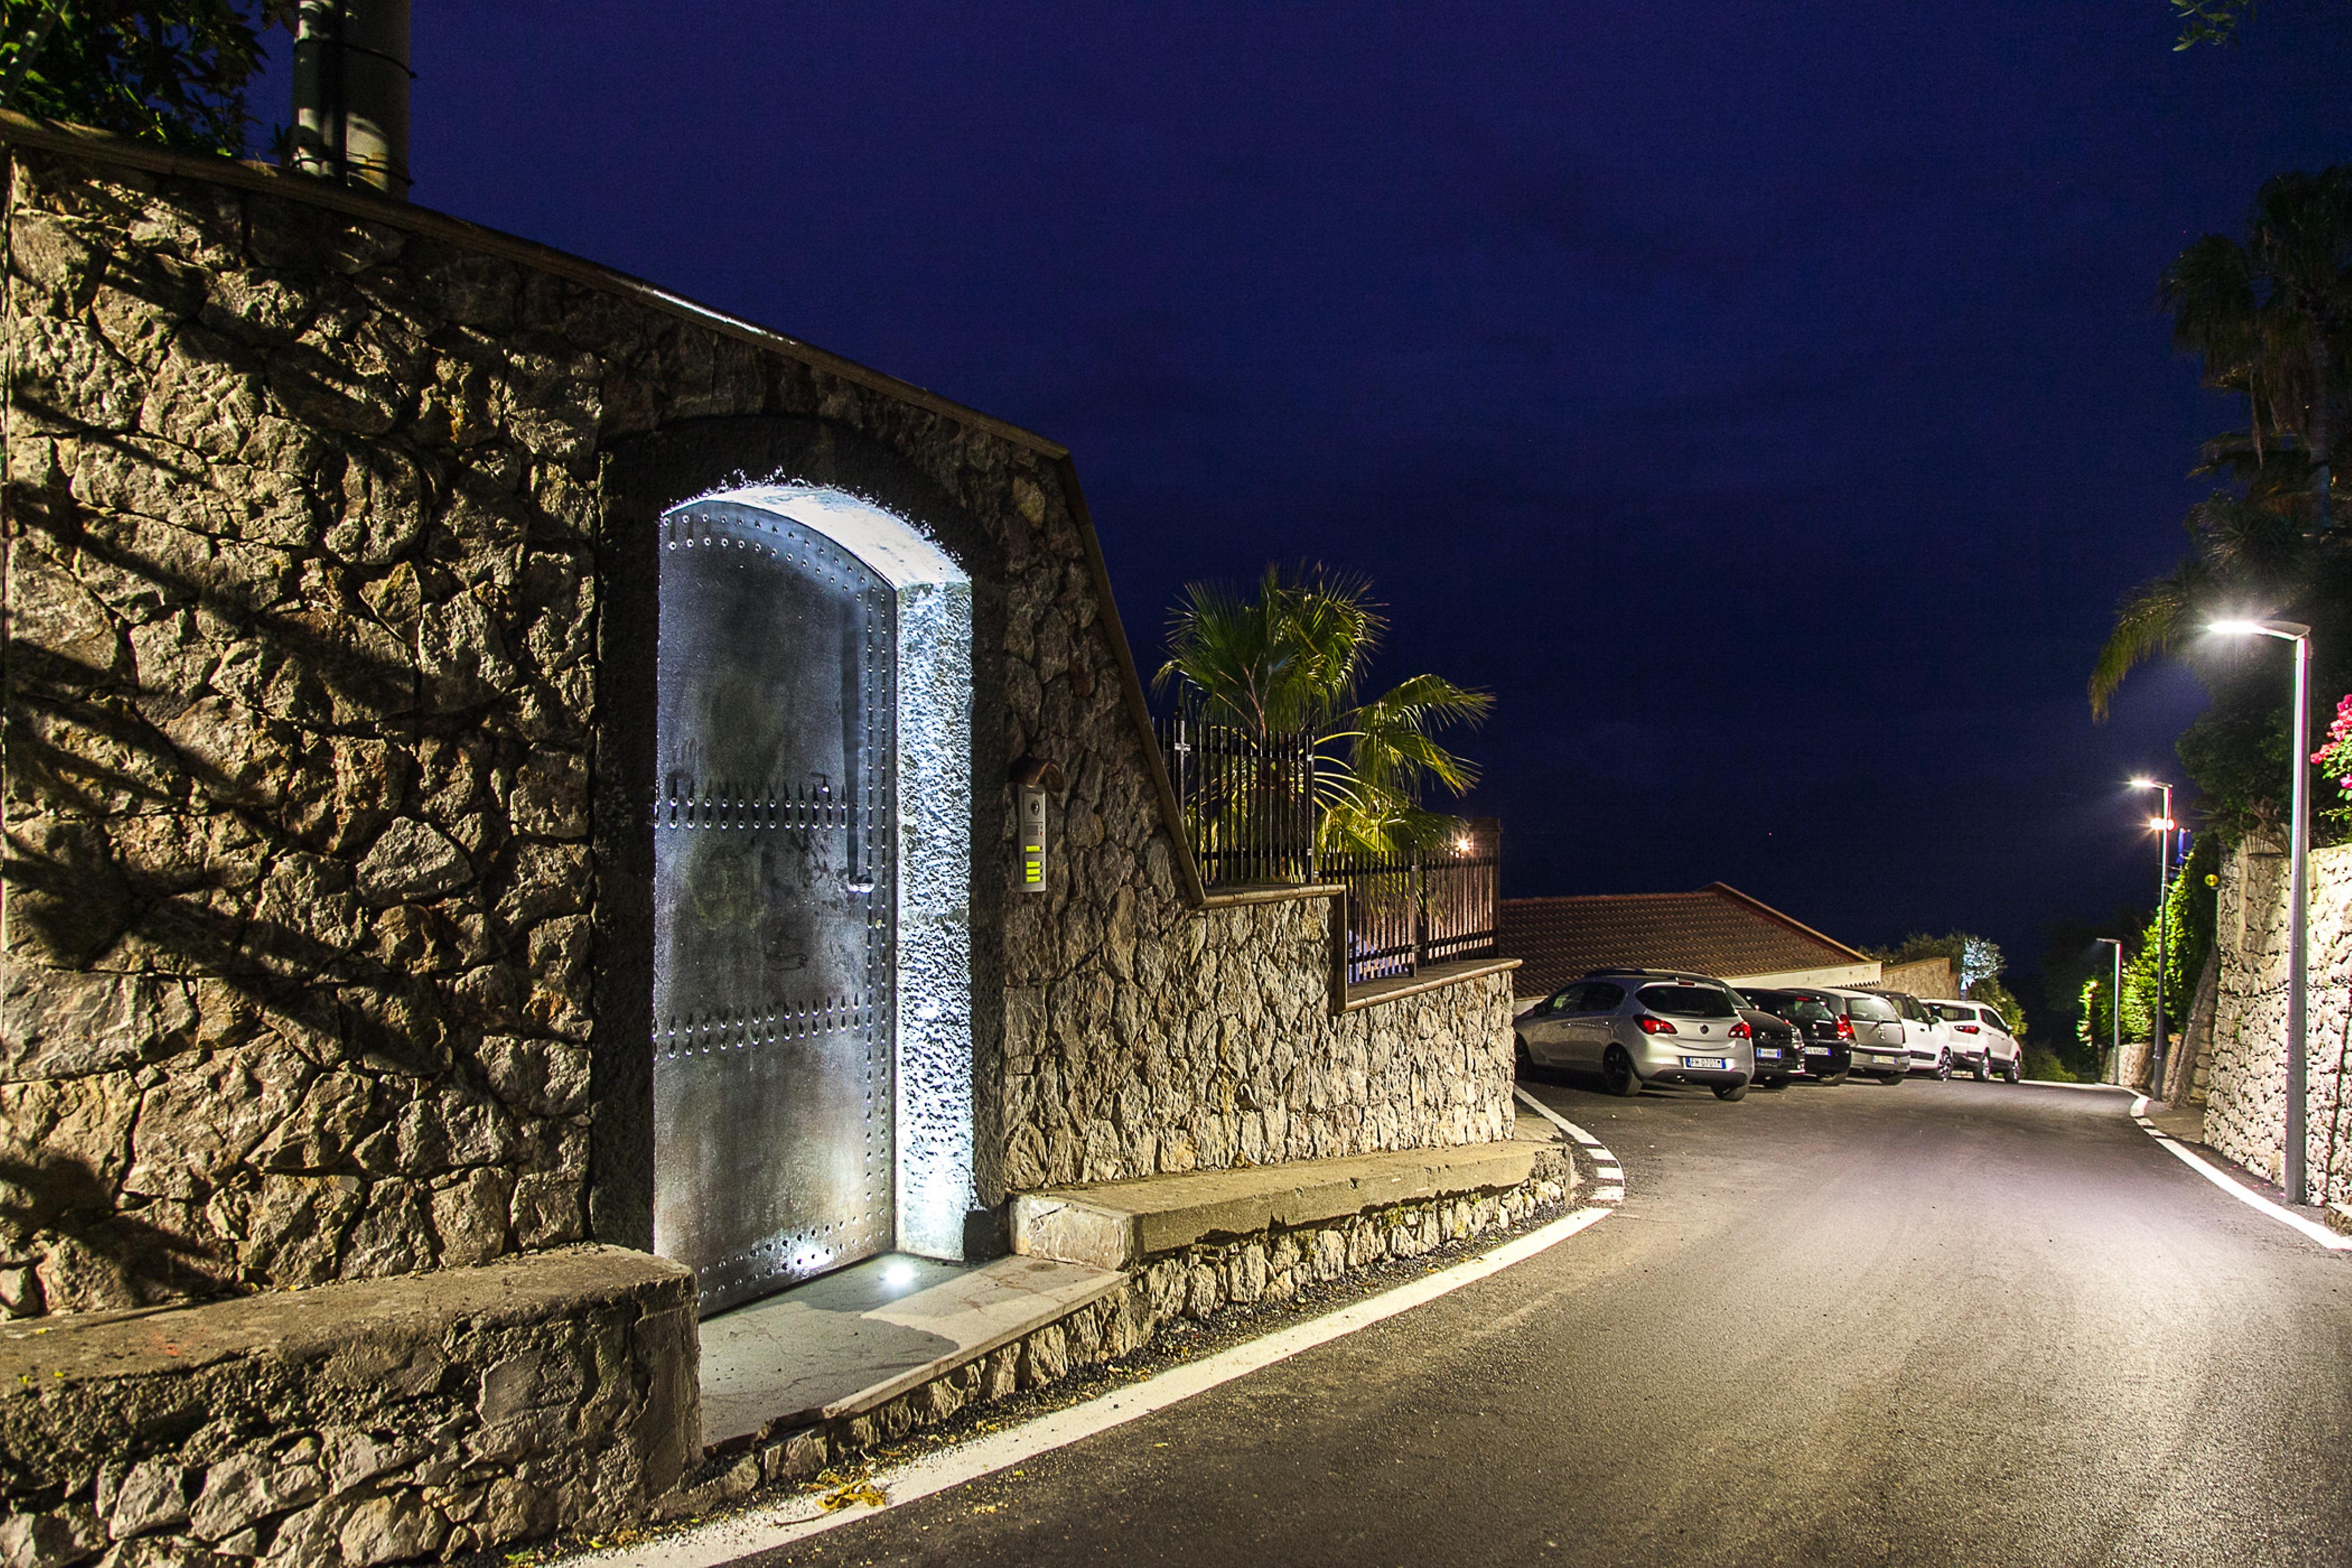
(171, 71)
(1290, 659)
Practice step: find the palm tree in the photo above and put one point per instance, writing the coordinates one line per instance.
(2271, 319)
(1290, 661)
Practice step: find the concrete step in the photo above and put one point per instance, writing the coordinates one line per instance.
(1116, 1224)
(852, 1341)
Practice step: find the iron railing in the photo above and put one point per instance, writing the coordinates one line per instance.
(1248, 799)
(1249, 809)
(1411, 909)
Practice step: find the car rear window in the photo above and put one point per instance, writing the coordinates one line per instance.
(1952, 1014)
(1687, 1000)
(1876, 1009)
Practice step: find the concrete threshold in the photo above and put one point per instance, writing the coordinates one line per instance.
(1116, 1224)
(842, 1345)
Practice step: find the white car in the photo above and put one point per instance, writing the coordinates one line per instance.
(1981, 1040)
(1934, 1046)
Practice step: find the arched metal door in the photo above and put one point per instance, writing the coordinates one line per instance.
(773, 903)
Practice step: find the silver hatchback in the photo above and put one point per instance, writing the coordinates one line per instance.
(1642, 1025)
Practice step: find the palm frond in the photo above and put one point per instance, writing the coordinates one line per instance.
(2152, 620)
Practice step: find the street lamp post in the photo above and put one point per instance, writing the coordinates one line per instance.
(2116, 1014)
(2163, 826)
(2297, 889)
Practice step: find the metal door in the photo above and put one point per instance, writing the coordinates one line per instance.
(773, 903)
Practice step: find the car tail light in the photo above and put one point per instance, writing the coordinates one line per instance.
(1845, 1028)
(1740, 1030)
(1658, 1026)
(1967, 1029)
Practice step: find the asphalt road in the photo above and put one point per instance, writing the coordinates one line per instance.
(1931, 1324)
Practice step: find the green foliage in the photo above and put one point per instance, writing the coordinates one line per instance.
(1291, 657)
(2210, 21)
(2187, 929)
(2269, 316)
(171, 71)
(2049, 1068)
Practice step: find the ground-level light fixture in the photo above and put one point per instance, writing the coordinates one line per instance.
(2162, 825)
(2298, 893)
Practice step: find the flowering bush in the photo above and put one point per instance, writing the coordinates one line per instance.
(2335, 758)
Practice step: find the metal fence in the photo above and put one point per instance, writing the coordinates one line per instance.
(1408, 911)
(1248, 799)
(1249, 808)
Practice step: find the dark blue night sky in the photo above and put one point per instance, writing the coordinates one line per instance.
(1769, 402)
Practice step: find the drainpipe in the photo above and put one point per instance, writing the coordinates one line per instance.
(351, 93)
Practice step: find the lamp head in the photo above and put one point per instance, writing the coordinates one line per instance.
(2286, 631)
(2143, 784)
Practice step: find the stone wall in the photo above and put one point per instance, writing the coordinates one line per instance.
(326, 745)
(1205, 1039)
(356, 1423)
(2245, 1109)
(298, 704)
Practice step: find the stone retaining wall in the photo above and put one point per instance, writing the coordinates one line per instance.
(2245, 1107)
(1203, 1040)
(364, 1423)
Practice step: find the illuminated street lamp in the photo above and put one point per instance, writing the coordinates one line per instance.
(2298, 886)
(2163, 826)
(2116, 1014)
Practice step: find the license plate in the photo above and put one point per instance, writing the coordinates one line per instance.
(1715, 1062)
(1817, 1050)
(1769, 1053)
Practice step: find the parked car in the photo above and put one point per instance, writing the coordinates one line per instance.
(1778, 1055)
(1989, 1049)
(1825, 1036)
(1881, 1046)
(1928, 1038)
(1644, 1026)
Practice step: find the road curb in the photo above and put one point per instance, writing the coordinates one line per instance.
(2326, 1236)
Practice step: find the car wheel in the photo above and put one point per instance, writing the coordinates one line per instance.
(1731, 1091)
(1617, 1072)
(1836, 1077)
(1523, 1060)
(2016, 1068)
(1891, 1079)
(1944, 1067)
(1982, 1068)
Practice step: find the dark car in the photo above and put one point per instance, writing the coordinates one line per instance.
(1779, 1056)
(1824, 1032)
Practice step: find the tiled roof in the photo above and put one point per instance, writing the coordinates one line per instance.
(1715, 931)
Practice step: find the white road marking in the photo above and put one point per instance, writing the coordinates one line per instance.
(2054, 1083)
(2237, 1189)
(799, 1517)
(1608, 1172)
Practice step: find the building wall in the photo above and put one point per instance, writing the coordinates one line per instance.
(327, 719)
(2245, 1109)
